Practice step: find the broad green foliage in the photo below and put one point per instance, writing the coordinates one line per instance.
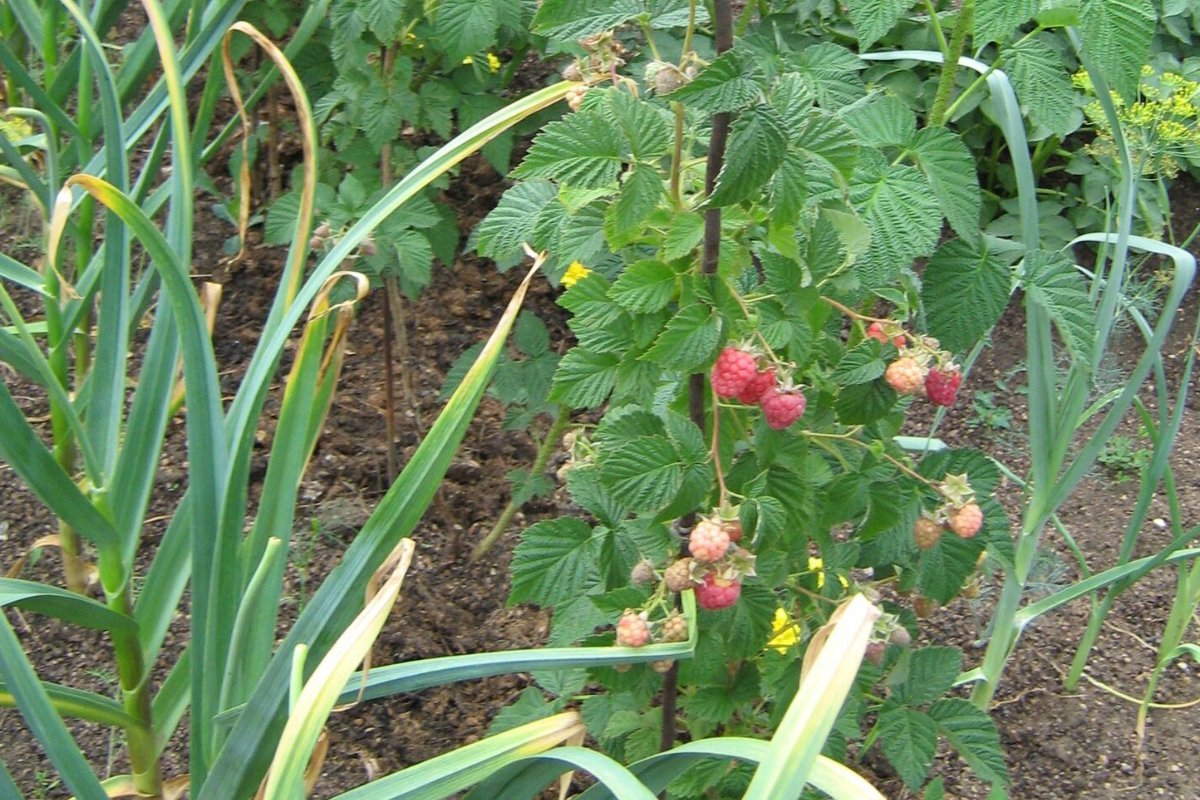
(829, 194)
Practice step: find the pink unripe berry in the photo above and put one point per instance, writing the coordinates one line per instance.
(708, 541)
(632, 630)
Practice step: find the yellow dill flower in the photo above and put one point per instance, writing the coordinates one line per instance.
(574, 274)
(493, 62)
(784, 632)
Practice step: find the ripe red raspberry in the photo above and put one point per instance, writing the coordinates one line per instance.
(966, 520)
(781, 409)
(733, 370)
(875, 331)
(926, 533)
(941, 386)
(674, 629)
(708, 541)
(632, 630)
(905, 375)
(678, 576)
(760, 383)
(717, 593)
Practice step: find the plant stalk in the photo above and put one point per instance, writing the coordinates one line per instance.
(562, 418)
(954, 51)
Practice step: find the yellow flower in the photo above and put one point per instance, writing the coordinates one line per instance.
(575, 273)
(784, 632)
(468, 60)
(493, 62)
(818, 566)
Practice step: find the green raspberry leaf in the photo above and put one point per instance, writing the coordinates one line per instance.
(973, 735)
(946, 566)
(1117, 35)
(554, 562)
(909, 740)
(873, 18)
(625, 219)
(513, 219)
(996, 20)
(583, 378)
(965, 289)
(644, 287)
(904, 217)
(864, 403)
(689, 341)
(465, 26)
(530, 706)
(757, 146)
(582, 149)
(863, 364)
(831, 71)
(574, 19)
(1043, 86)
(950, 168)
(645, 472)
(925, 675)
(731, 82)
(1052, 282)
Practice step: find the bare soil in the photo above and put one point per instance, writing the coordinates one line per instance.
(1060, 745)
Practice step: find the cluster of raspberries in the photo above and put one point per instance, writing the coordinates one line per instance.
(738, 375)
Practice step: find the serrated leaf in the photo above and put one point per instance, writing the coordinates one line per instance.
(862, 404)
(998, 20)
(757, 146)
(382, 113)
(793, 98)
(683, 235)
(582, 149)
(383, 17)
(873, 18)
(689, 341)
(832, 72)
(928, 674)
(909, 740)
(731, 82)
(904, 217)
(647, 126)
(529, 706)
(465, 26)
(574, 619)
(745, 626)
(1117, 34)
(624, 220)
(644, 286)
(944, 568)
(973, 735)
(530, 334)
(589, 303)
(964, 291)
(1043, 86)
(513, 219)
(788, 189)
(584, 379)
(644, 472)
(881, 119)
(583, 482)
(861, 365)
(574, 19)
(983, 472)
(950, 168)
(554, 562)
(829, 140)
(1051, 281)
(580, 236)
